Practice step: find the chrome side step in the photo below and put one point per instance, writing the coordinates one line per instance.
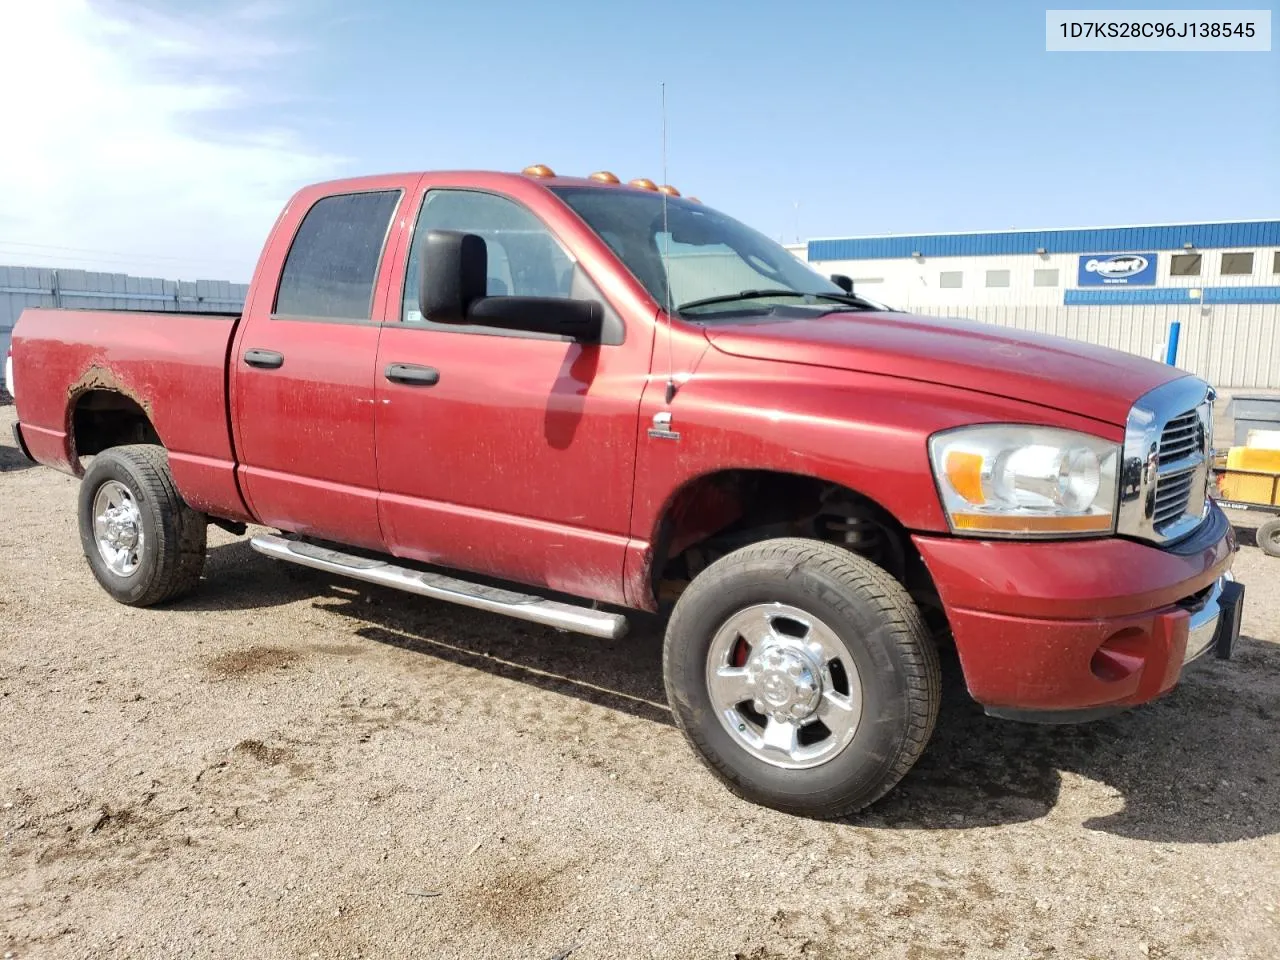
(437, 586)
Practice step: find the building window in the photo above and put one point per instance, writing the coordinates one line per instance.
(997, 278)
(954, 279)
(1275, 266)
(1046, 278)
(1235, 264)
(1185, 265)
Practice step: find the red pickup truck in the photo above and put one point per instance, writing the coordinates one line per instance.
(557, 398)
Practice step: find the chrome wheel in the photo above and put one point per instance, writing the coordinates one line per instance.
(784, 685)
(117, 528)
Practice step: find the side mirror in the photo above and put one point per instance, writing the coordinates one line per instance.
(583, 320)
(453, 290)
(455, 266)
(843, 282)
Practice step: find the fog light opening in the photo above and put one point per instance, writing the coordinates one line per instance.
(1120, 656)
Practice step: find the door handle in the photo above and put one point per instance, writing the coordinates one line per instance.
(265, 359)
(412, 375)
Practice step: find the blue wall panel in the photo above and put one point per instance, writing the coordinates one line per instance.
(1202, 236)
(1111, 296)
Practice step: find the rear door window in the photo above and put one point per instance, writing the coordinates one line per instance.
(333, 262)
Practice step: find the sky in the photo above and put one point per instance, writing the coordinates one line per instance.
(162, 137)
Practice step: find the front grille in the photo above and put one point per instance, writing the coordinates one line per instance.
(1181, 436)
(1165, 473)
(1181, 440)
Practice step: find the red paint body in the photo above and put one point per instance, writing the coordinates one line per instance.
(531, 459)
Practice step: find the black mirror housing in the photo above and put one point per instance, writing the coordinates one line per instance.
(454, 290)
(455, 268)
(843, 282)
(583, 320)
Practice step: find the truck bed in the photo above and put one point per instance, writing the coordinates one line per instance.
(69, 364)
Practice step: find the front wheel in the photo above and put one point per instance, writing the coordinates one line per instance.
(143, 543)
(803, 675)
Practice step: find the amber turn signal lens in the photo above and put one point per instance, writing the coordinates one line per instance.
(964, 473)
(1026, 524)
(605, 176)
(644, 183)
(538, 170)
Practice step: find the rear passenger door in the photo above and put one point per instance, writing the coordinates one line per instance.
(303, 367)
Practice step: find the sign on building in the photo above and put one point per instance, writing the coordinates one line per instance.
(1118, 269)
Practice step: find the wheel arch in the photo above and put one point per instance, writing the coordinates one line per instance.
(100, 418)
(725, 509)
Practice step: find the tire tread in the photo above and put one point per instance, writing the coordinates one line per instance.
(180, 531)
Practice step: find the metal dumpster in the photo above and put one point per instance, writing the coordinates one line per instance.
(1258, 411)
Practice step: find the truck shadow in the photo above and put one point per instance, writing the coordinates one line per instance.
(1201, 765)
(12, 460)
(1198, 766)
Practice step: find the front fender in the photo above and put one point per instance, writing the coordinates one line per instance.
(865, 432)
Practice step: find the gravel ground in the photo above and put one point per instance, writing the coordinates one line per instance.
(283, 765)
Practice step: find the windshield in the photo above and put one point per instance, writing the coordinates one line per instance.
(717, 265)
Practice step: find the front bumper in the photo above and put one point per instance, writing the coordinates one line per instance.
(1073, 629)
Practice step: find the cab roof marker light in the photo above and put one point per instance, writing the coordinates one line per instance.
(669, 190)
(604, 176)
(540, 170)
(644, 183)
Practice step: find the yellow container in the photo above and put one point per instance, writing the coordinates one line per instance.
(1250, 476)
(1253, 458)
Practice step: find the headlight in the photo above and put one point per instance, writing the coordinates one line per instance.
(1015, 481)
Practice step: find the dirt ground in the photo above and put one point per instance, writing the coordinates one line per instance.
(283, 765)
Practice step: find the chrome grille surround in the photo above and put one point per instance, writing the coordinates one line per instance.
(1164, 470)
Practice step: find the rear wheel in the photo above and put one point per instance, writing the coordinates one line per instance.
(1269, 537)
(803, 675)
(143, 543)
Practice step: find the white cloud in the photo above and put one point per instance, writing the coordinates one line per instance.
(122, 140)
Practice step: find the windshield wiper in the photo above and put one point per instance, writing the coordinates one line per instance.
(757, 294)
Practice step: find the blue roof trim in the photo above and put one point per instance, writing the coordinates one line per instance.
(1202, 236)
(1168, 295)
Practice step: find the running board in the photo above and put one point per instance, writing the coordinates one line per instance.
(437, 586)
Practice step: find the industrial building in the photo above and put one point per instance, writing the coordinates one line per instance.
(1121, 287)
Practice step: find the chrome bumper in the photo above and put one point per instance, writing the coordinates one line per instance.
(1204, 622)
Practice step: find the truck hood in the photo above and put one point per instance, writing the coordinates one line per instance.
(1035, 368)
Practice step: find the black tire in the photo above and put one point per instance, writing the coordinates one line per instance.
(1269, 537)
(877, 622)
(173, 544)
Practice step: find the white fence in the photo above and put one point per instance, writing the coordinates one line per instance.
(1230, 345)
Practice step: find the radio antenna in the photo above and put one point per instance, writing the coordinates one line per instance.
(666, 258)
